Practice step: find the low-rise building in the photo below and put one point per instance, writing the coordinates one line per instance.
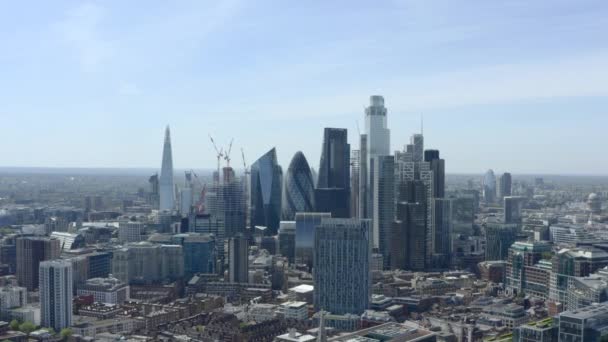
(511, 315)
(586, 324)
(294, 310)
(91, 328)
(541, 331)
(389, 332)
(105, 290)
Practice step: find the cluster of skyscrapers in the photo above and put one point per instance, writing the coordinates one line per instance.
(362, 202)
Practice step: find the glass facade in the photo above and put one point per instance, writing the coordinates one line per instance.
(305, 230)
(166, 187)
(333, 185)
(299, 188)
(341, 272)
(266, 192)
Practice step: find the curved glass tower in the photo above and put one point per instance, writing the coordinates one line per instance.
(299, 191)
(266, 192)
(489, 187)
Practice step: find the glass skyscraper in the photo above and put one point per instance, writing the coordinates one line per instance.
(333, 185)
(166, 187)
(266, 192)
(305, 235)
(489, 187)
(299, 191)
(341, 271)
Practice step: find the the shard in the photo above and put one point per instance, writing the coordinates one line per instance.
(166, 187)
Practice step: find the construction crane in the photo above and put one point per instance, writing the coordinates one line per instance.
(220, 154)
(200, 204)
(227, 154)
(246, 170)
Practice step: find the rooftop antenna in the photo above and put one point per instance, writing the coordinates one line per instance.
(421, 124)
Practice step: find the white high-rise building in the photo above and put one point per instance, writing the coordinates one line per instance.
(166, 187)
(56, 293)
(378, 135)
(378, 144)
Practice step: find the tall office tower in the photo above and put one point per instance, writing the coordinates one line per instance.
(287, 240)
(8, 253)
(305, 236)
(408, 237)
(56, 289)
(512, 209)
(499, 238)
(504, 186)
(341, 273)
(378, 134)
(417, 141)
(333, 186)
(186, 195)
(363, 175)
(438, 167)
(299, 191)
(238, 250)
(463, 214)
(153, 194)
(377, 141)
(30, 252)
(384, 208)
(489, 187)
(355, 173)
(226, 202)
(166, 188)
(442, 223)
(266, 191)
(410, 166)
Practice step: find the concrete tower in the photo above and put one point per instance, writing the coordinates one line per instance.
(56, 294)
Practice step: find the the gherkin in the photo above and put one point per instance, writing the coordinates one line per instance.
(299, 189)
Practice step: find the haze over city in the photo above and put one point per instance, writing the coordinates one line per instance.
(518, 85)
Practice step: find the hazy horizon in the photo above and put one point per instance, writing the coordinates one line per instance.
(513, 86)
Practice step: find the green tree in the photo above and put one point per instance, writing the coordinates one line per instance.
(51, 331)
(6, 231)
(65, 333)
(27, 327)
(14, 325)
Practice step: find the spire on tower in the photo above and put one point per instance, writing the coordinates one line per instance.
(421, 124)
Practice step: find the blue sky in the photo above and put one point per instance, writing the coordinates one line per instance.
(509, 85)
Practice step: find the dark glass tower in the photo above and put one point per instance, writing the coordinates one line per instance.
(299, 188)
(333, 185)
(437, 165)
(266, 192)
(504, 188)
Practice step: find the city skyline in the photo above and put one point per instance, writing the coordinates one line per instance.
(507, 98)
